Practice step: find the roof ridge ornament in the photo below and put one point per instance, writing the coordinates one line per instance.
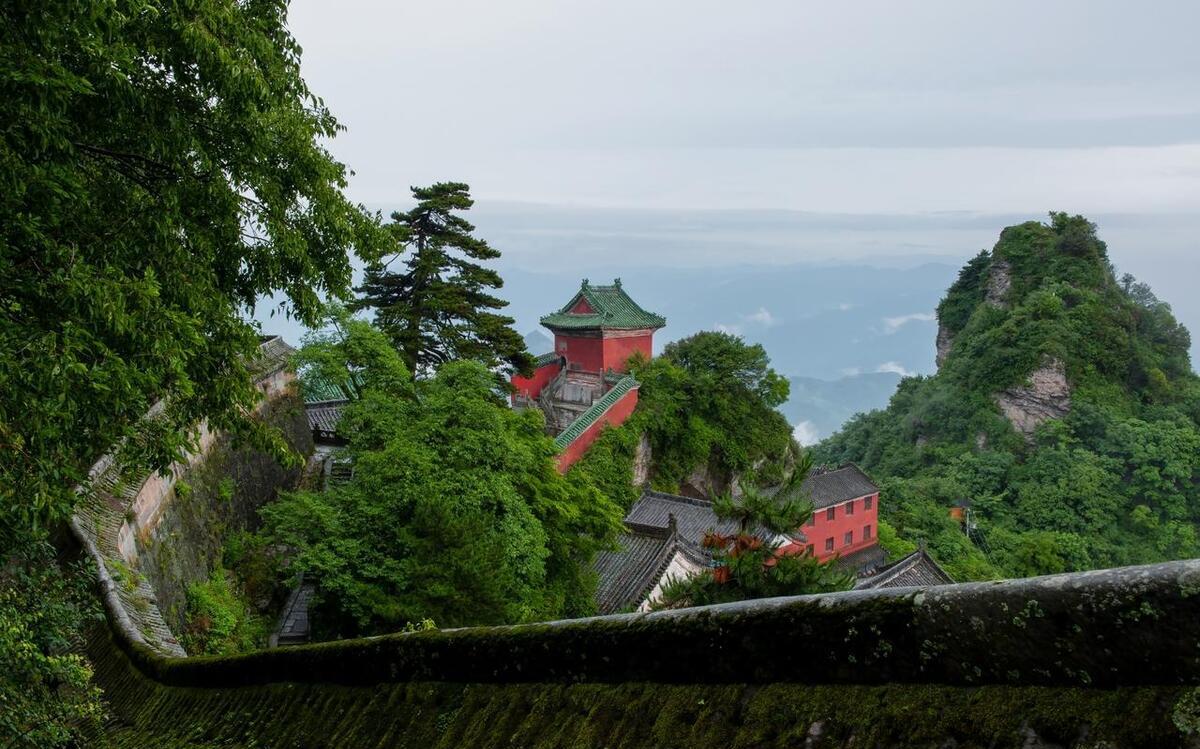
(584, 285)
(617, 282)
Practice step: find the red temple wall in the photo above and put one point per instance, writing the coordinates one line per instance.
(596, 354)
(616, 414)
(822, 528)
(532, 386)
(587, 353)
(618, 350)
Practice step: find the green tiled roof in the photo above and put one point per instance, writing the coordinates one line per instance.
(612, 309)
(545, 359)
(593, 414)
(317, 389)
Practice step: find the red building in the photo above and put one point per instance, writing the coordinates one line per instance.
(584, 383)
(845, 519)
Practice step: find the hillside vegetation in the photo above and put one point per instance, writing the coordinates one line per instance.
(1095, 471)
(706, 420)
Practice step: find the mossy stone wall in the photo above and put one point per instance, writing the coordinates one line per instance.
(537, 715)
(218, 495)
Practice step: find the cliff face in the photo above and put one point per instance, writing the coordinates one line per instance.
(945, 339)
(1047, 395)
(999, 283)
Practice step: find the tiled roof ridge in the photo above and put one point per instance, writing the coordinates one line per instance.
(611, 307)
(597, 409)
(920, 557)
(645, 529)
(542, 360)
(677, 498)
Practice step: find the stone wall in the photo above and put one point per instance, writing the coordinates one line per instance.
(217, 495)
(129, 525)
(1100, 659)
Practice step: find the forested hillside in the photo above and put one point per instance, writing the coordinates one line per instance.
(1064, 415)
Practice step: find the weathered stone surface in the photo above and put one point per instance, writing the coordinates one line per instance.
(944, 341)
(999, 283)
(225, 487)
(1105, 658)
(642, 460)
(703, 483)
(1047, 395)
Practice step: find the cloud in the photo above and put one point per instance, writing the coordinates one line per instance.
(892, 324)
(762, 317)
(806, 433)
(730, 329)
(846, 306)
(897, 367)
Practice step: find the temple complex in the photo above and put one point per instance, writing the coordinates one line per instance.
(584, 383)
(662, 536)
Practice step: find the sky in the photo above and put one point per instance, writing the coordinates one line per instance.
(604, 137)
(862, 108)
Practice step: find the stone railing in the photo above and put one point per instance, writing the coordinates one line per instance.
(1111, 655)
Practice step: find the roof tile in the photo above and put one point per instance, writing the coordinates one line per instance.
(612, 309)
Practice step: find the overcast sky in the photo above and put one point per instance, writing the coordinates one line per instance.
(863, 107)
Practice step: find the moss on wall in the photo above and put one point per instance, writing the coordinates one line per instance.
(218, 496)
(637, 714)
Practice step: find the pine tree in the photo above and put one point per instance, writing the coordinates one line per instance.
(439, 307)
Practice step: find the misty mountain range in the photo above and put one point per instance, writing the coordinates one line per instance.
(844, 304)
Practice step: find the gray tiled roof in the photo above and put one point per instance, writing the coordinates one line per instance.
(628, 574)
(864, 561)
(826, 487)
(694, 517)
(325, 415)
(917, 569)
(274, 354)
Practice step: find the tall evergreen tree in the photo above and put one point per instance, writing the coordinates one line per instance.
(439, 307)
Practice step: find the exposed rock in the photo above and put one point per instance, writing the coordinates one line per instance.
(944, 341)
(999, 282)
(1046, 396)
(642, 458)
(981, 441)
(702, 483)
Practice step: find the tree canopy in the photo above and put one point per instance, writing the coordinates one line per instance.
(455, 511)
(160, 171)
(440, 308)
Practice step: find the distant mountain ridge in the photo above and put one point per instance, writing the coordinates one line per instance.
(818, 408)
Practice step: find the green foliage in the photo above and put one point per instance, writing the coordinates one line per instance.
(1113, 483)
(257, 568)
(219, 619)
(965, 294)
(749, 563)
(455, 510)
(708, 402)
(47, 698)
(440, 307)
(160, 171)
